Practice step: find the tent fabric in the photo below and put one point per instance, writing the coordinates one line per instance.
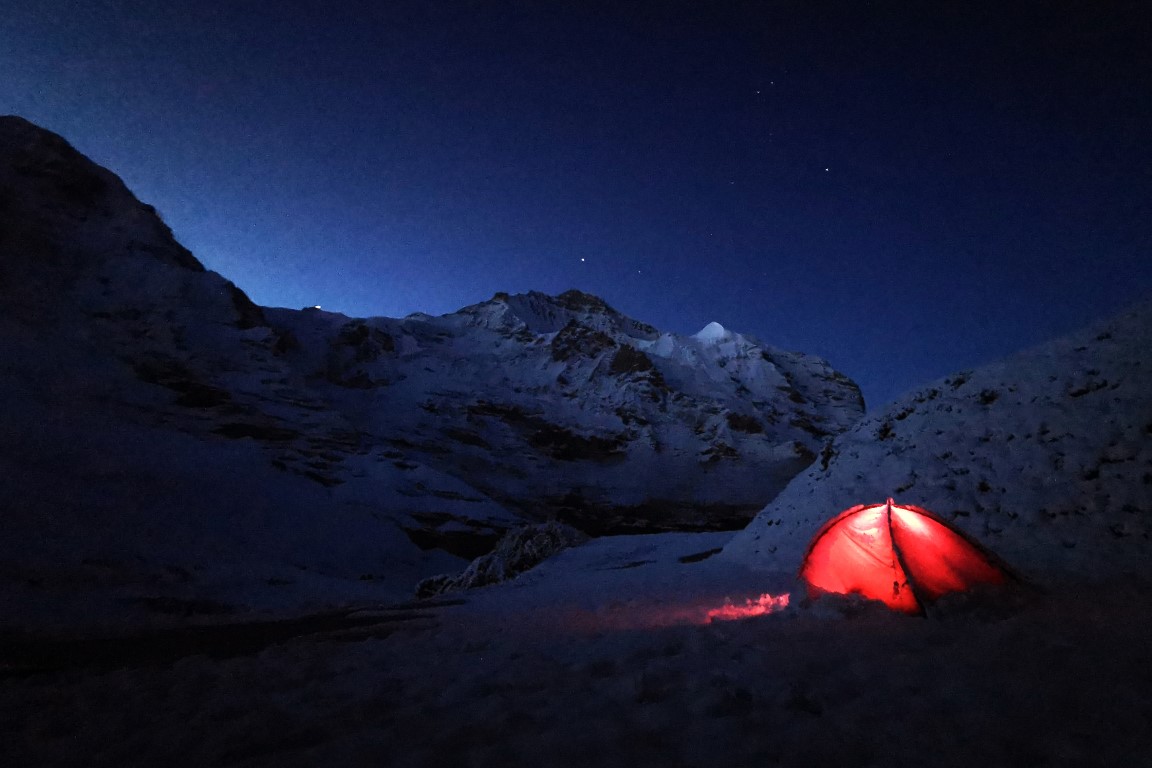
(902, 555)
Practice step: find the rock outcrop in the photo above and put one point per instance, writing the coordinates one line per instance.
(518, 551)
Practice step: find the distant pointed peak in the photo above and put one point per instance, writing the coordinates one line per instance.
(712, 332)
(577, 300)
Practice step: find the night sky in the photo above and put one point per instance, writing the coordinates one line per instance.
(905, 188)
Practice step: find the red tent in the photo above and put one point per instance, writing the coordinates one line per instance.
(903, 555)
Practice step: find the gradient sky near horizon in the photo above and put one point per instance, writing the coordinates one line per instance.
(907, 189)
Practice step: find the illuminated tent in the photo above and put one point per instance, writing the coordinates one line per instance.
(905, 556)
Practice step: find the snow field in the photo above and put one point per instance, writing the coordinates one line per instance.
(1059, 679)
(599, 657)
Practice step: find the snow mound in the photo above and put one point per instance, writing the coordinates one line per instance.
(1045, 457)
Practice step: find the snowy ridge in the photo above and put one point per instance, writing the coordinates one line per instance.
(1046, 457)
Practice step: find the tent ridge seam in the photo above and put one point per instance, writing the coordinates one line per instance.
(911, 578)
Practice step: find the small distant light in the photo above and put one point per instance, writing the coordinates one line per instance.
(315, 306)
(581, 258)
(825, 170)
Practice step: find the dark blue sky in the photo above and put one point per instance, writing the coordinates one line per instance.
(905, 188)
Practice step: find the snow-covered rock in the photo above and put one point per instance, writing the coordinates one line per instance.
(518, 551)
(1046, 457)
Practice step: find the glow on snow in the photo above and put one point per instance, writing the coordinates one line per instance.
(759, 606)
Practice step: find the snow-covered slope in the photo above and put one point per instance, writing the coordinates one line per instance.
(159, 426)
(1046, 457)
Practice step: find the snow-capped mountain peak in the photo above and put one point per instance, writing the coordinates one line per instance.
(713, 332)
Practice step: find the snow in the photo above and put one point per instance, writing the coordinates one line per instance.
(712, 332)
(541, 672)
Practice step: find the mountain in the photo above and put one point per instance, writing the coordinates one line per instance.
(562, 407)
(153, 436)
(1045, 457)
(160, 427)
